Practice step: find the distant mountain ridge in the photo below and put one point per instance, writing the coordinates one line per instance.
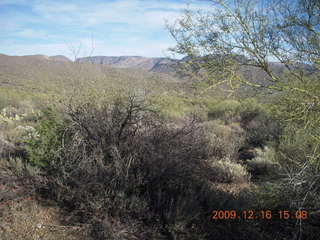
(169, 65)
(162, 64)
(158, 64)
(57, 58)
(36, 73)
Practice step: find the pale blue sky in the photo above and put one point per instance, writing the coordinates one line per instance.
(110, 27)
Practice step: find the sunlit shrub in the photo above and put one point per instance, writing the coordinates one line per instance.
(264, 163)
(224, 140)
(228, 171)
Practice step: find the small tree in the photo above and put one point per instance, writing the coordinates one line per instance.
(264, 35)
(252, 33)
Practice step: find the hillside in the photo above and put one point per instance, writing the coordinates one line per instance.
(32, 73)
(100, 155)
(171, 66)
(40, 74)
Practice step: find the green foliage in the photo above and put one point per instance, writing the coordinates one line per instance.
(259, 123)
(299, 154)
(256, 119)
(250, 109)
(44, 149)
(271, 195)
(10, 97)
(299, 146)
(170, 105)
(226, 110)
(43, 81)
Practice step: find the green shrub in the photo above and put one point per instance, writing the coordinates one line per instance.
(250, 109)
(17, 167)
(44, 148)
(299, 146)
(259, 123)
(225, 110)
(10, 150)
(171, 106)
(256, 119)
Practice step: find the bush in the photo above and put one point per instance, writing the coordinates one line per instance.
(256, 119)
(299, 154)
(260, 125)
(120, 161)
(224, 140)
(227, 171)
(224, 110)
(44, 148)
(264, 163)
(171, 106)
(10, 150)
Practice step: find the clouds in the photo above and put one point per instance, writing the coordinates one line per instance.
(147, 49)
(119, 27)
(130, 12)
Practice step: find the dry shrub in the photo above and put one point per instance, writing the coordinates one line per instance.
(6, 148)
(122, 163)
(264, 163)
(227, 171)
(224, 140)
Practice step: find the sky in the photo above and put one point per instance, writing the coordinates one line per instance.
(79, 28)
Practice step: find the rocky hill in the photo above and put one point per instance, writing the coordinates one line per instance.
(163, 65)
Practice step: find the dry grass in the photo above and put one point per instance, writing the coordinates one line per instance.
(28, 219)
(22, 216)
(232, 188)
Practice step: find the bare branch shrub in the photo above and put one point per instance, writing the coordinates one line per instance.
(121, 161)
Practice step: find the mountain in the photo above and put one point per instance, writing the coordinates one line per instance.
(166, 65)
(36, 56)
(162, 65)
(170, 66)
(57, 58)
(40, 74)
(35, 70)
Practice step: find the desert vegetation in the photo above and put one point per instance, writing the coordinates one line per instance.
(83, 157)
